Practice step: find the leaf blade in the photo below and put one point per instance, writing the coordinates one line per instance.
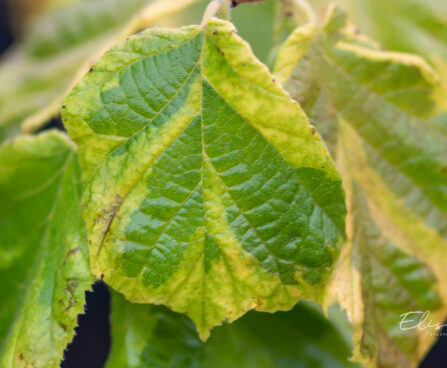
(365, 102)
(196, 170)
(45, 268)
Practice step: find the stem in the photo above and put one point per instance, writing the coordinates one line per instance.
(211, 10)
(235, 3)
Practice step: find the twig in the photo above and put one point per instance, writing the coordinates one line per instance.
(235, 3)
(211, 10)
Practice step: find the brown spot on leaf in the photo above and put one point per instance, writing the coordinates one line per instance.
(63, 326)
(70, 253)
(110, 214)
(313, 130)
(70, 288)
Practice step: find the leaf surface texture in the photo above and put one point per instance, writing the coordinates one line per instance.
(206, 188)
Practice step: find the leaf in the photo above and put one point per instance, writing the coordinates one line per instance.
(60, 47)
(147, 336)
(373, 108)
(410, 25)
(206, 187)
(43, 250)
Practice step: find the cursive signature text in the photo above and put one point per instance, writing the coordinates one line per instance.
(418, 320)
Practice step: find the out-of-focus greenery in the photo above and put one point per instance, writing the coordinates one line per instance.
(66, 36)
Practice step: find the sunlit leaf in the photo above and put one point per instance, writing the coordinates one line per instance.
(206, 188)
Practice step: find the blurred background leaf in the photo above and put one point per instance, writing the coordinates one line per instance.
(146, 336)
(417, 26)
(58, 39)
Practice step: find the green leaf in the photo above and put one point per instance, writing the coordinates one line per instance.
(147, 336)
(43, 250)
(373, 108)
(60, 46)
(206, 188)
(410, 25)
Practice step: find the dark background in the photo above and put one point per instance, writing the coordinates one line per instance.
(91, 345)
